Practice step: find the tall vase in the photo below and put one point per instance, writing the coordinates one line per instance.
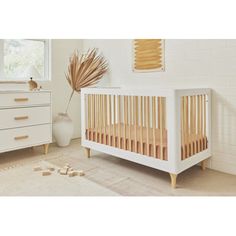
(63, 129)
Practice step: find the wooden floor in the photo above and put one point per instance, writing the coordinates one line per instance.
(124, 177)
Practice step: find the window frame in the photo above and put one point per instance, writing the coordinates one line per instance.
(47, 63)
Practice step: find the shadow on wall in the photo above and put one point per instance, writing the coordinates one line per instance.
(223, 126)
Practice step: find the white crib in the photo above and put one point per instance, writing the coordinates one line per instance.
(166, 129)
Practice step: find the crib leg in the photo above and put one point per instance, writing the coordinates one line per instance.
(203, 164)
(173, 178)
(88, 152)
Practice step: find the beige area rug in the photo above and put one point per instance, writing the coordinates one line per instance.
(23, 181)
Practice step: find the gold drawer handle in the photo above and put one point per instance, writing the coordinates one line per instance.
(21, 99)
(21, 118)
(21, 137)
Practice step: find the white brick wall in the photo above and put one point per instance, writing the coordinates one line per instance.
(189, 63)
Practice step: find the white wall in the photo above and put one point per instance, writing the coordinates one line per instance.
(189, 63)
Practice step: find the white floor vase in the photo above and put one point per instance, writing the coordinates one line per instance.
(63, 129)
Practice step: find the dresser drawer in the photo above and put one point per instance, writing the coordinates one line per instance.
(21, 99)
(19, 117)
(24, 137)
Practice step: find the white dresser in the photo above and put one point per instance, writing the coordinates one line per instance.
(25, 119)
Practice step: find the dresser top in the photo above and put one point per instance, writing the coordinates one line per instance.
(23, 91)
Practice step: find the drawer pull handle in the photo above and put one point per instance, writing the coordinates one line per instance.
(21, 137)
(21, 99)
(21, 118)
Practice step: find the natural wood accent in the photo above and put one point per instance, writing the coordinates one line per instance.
(203, 164)
(109, 119)
(46, 147)
(141, 125)
(173, 178)
(114, 120)
(130, 122)
(21, 99)
(21, 137)
(21, 117)
(161, 126)
(87, 152)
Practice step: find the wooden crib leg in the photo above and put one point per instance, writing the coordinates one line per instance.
(46, 146)
(88, 152)
(203, 164)
(173, 178)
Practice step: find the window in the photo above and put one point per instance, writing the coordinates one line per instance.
(21, 59)
(148, 55)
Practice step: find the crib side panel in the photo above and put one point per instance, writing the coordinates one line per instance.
(129, 122)
(195, 127)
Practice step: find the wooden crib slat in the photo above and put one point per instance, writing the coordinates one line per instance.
(135, 102)
(137, 123)
(183, 127)
(118, 120)
(201, 122)
(161, 128)
(125, 112)
(141, 125)
(110, 122)
(195, 122)
(191, 124)
(148, 125)
(145, 123)
(96, 117)
(187, 124)
(114, 120)
(89, 114)
(101, 116)
(105, 118)
(164, 113)
(130, 121)
(154, 125)
(158, 114)
(204, 121)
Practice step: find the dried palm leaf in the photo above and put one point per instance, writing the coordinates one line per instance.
(85, 70)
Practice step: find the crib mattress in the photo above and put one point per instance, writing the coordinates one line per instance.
(146, 141)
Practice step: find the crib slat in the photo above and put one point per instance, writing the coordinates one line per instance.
(146, 123)
(130, 121)
(195, 123)
(159, 112)
(187, 124)
(148, 126)
(164, 113)
(110, 122)
(93, 116)
(125, 121)
(204, 129)
(100, 118)
(161, 128)
(105, 118)
(114, 120)
(191, 124)
(154, 125)
(201, 122)
(118, 120)
(141, 125)
(183, 126)
(135, 122)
